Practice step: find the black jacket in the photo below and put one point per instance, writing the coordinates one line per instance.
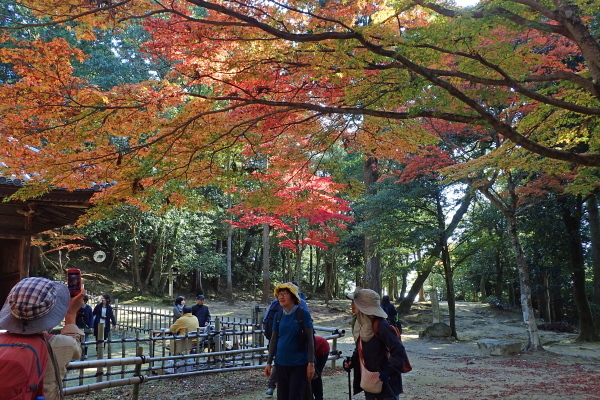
(375, 353)
(110, 319)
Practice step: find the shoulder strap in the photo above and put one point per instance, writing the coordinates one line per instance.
(47, 338)
(279, 315)
(376, 321)
(300, 318)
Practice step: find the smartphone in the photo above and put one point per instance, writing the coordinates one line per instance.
(74, 281)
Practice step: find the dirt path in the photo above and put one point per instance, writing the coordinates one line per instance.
(442, 369)
(455, 370)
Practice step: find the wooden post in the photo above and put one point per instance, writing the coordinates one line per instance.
(116, 309)
(138, 372)
(152, 318)
(435, 306)
(100, 351)
(170, 278)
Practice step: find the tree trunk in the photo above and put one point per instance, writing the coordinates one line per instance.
(594, 223)
(448, 272)
(372, 256)
(544, 297)
(230, 300)
(534, 343)
(499, 276)
(135, 257)
(448, 275)
(572, 220)
(404, 285)
(409, 299)
(482, 282)
(328, 278)
(266, 286)
(508, 208)
(310, 271)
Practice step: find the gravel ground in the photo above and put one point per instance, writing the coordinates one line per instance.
(442, 369)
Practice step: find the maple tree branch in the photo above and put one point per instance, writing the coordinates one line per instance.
(588, 85)
(514, 84)
(298, 37)
(351, 110)
(569, 25)
(501, 12)
(502, 128)
(70, 18)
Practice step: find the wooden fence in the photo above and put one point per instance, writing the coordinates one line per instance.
(141, 350)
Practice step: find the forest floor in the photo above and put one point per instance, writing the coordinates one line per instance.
(442, 368)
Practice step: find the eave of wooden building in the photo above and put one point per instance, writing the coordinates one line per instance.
(22, 219)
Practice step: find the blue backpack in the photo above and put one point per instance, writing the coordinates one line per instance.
(267, 321)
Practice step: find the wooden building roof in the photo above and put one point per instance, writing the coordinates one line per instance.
(57, 208)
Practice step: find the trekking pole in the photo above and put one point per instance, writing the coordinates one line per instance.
(347, 361)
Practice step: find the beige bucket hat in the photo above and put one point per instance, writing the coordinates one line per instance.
(367, 301)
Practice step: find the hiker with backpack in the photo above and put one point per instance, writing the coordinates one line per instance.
(379, 356)
(291, 345)
(267, 324)
(392, 313)
(322, 349)
(85, 322)
(32, 362)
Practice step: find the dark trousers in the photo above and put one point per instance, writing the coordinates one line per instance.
(291, 382)
(317, 383)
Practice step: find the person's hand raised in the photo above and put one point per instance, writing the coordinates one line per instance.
(75, 304)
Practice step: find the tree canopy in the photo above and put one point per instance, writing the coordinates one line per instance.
(249, 79)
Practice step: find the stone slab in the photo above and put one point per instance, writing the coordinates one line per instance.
(494, 347)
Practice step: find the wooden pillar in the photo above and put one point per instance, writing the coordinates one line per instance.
(14, 263)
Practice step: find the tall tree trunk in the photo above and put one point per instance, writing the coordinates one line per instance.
(230, 300)
(310, 271)
(433, 254)
(508, 208)
(594, 223)
(135, 256)
(544, 297)
(404, 284)
(482, 283)
(499, 276)
(329, 277)
(448, 272)
(534, 343)
(410, 297)
(372, 256)
(266, 286)
(298, 264)
(572, 219)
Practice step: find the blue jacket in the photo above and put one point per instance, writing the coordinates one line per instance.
(201, 312)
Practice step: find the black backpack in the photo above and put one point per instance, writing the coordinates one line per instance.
(267, 322)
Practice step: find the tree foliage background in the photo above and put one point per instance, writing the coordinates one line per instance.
(484, 122)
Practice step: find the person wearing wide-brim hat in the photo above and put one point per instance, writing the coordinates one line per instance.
(295, 357)
(36, 305)
(382, 352)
